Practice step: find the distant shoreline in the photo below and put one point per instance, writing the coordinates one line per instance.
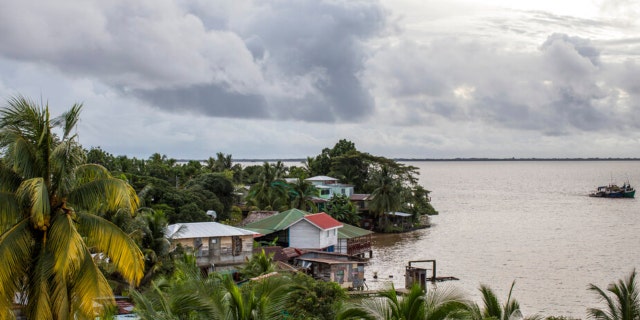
(456, 159)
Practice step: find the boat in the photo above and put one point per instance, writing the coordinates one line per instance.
(614, 191)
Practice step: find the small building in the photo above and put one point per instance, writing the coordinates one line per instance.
(346, 270)
(328, 186)
(298, 229)
(315, 231)
(401, 219)
(354, 241)
(217, 247)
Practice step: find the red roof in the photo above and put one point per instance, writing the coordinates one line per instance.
(323, 220)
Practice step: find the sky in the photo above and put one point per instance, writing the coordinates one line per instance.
(283, 79)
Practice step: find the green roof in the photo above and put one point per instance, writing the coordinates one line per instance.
(348, 232)
(284, 219)
(276, 222)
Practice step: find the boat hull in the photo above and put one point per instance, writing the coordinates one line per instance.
(614, 192)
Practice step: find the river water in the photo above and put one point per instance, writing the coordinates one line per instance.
(525, 221)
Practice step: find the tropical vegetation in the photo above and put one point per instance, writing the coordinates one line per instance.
(52, 218)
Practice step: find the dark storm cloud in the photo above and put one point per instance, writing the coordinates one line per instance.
(562, 88)
(219, 102)
(322, 40)
(281, 59)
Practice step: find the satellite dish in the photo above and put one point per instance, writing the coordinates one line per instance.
(212, 214)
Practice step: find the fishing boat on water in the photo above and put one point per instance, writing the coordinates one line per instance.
(614, 191)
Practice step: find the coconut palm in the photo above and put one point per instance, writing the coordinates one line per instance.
(264, 299)
(301, 192)
(387, 195)
(492, 308)
(259, 264)
(270, 190)
(186, 294)
(439, 304)
(48, 201)
(623, 305)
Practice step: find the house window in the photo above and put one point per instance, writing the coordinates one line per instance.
(325, 192)
(236, 245)
(342, 190)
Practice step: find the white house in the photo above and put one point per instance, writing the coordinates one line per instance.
(315, 231)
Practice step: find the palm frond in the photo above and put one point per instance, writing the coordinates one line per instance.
(21, 156)
(60, 303)
(68, 120)
(492, 307)
(15, 250)
(34, 193)
(64, 160)
(39, 306)
(624, 303)
(10, 211)
(447, 302)
(66, 244)
(89, 288)
(9, 180)
(108, 194)
(109, 239)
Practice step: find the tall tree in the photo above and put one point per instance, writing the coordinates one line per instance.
(386, 195)
(300, 193)
(270, 190)
(48, 201)
(622, 304)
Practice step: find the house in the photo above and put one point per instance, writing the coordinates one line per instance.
(354, 241)
(346, 270)
(298, 229)
(274, 229)
(315, 231)
(329, 186)
(217, 247)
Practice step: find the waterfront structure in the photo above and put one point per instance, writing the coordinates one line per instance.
(217, 247)
(298, 229)
(354, 241)
(347, 271)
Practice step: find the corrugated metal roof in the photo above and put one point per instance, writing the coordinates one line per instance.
(348, 232)
(204, 230)
(321, 178)
(276, 222)
(399, 214)
(323, 221)
(359, 197)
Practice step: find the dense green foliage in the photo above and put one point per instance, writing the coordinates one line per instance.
(54, 212)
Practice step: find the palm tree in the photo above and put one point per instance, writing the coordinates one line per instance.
(301, 193)
(186, 294)
(494, 310)
(386, 197)
(438, 304)
(48, 201)
(625, 303)
(270, 190)
(259, 264)
(264, 299)
(154, 243)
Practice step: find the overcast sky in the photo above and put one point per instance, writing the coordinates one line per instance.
(287, 78)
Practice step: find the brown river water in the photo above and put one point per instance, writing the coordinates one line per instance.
(525, 221)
